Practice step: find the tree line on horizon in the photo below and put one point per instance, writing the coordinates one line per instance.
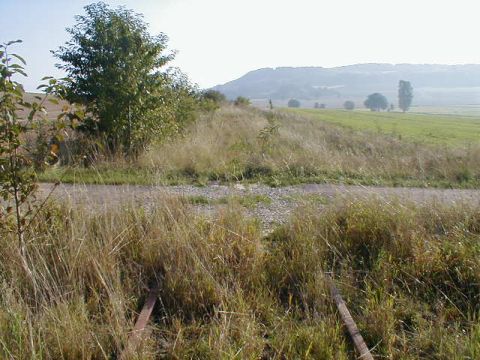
(375, 101)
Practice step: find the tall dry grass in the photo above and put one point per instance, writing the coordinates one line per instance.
(228, 146)
(410, 277)
(91, 270)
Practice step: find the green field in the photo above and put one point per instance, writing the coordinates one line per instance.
(463, 110)
(425, 128)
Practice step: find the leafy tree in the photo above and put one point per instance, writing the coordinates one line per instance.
(376, 102)
(115, 69)
(293, 103)
(405, 95)
(349, 105)
(241, 101)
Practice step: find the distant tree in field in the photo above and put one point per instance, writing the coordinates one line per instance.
(405, 95)
(115, 69)
(322, 106)
(319, 106)
(241, 101)
(270, 104)
(349, 105)
(376, 102)
(293, 103)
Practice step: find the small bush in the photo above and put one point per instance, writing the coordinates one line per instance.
(241, 101)
(212, 100)
(349, 105)
(293, 103)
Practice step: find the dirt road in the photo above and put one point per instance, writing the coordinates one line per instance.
(270, 205)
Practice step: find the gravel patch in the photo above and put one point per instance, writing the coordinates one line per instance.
(281, 201)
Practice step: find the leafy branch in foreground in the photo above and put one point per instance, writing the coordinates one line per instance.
(18, 120)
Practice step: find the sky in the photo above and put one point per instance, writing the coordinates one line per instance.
(220, 40)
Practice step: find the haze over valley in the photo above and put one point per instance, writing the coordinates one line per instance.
(434, 85)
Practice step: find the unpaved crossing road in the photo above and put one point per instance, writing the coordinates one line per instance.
(270, 205)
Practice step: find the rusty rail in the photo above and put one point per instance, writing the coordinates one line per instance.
(142, 321)
(347, 319)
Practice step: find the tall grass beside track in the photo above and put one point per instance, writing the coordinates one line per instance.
(410, 276)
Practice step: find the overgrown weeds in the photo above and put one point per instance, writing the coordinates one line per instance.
(410, 277)
(283, 148)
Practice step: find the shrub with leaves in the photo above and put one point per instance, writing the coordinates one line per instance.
(212, 100)
(349, 105)
(293, 103)
(242, 101)
(18, 118)
(269, 132)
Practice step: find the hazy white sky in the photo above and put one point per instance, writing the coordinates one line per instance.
(220, 40)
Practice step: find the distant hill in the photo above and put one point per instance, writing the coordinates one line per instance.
(436, 85)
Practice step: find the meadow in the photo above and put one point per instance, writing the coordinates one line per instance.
(236, 144)
(439, 129)
(463, 110)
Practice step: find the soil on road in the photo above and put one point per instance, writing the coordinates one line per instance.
(270, 205)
